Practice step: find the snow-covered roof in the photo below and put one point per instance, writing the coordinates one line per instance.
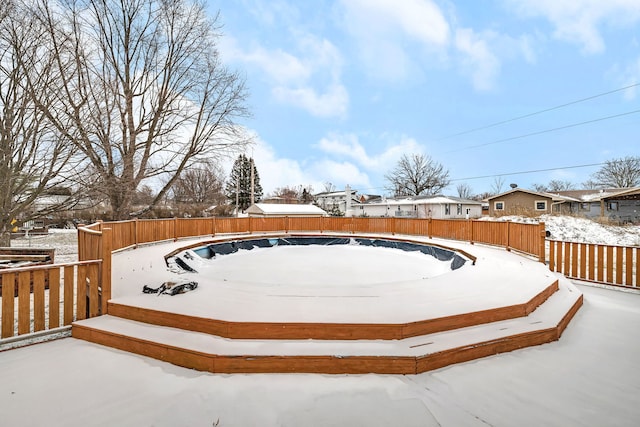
(592, 195)
(553, 196)
(424, 200)
(284, 209)
(334, 193)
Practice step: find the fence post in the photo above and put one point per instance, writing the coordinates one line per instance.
(135, 232)
(213, 226)
(429, 228)
(175, 229)
(81, 242)
(508, 247)
(106, 268)
(286, 224)
(470, 231)
(543, 249)
(393, 225)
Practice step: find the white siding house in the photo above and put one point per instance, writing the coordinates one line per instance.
(279, 209)
(437, 207)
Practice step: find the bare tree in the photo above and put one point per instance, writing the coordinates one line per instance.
(464, 191)
(201, 185)
(286, 194)
(34, 159)
(540, 188)
(554, 185)
(329, 187)
(299, 194)
(146, 96)
(497, 185)
(618, 173)
(560, 185)
(415, 175)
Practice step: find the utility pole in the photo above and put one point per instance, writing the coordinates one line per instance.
(252, 181)
(238, 195)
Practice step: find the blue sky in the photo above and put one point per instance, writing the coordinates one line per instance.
(339, 90)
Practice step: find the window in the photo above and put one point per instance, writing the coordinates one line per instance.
(459, 209)
(447, 209)
(541, 205)
(585, 206)
(612, 206)
(499, 206)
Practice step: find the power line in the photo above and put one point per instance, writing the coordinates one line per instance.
(509, 173)
(531, 171)
(537, 112)
(546, 131)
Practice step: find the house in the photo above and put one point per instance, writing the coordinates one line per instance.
(267, 210)
(519, 201)
(616, 204)
(437, 207)
(337, 202)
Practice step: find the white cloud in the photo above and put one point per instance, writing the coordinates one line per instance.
(343, 160)
(579, 21)
(382, 29)
(341, 173)
(628, 75)
(276, 172)
(310, 80)
(478, 60)
(349, 146)
(332, 103)
(273, 12)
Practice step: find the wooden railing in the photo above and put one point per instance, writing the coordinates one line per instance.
(55, 295)
(608, 264)
(527, 238)
(49, 296)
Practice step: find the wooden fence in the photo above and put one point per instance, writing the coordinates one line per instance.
(526, 238)
(608, 264)
(49, 296)
(55, 295)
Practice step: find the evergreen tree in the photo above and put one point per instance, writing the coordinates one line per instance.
(239, 183)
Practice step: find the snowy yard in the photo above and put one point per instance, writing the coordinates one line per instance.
(587, 378)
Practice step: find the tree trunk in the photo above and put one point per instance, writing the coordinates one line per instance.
(5, 238)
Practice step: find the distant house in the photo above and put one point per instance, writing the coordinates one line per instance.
(264, 210)
(519, 201)
(437, 207)
(336, 201)
(617, 204)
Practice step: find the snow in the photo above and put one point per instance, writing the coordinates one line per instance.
(583, 230)
(588, 377)
(230, 288)
(286, 209)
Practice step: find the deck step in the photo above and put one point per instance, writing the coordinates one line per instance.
(412, 355)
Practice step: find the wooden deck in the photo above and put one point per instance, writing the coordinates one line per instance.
(484, 322)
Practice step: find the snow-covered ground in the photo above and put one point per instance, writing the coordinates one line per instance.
(65, 242)
(587, 378)
(583, 230)
(568, 228)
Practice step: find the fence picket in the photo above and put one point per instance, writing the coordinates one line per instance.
(8, 281)
(592, 262)
(54, 297)
(38, 301)
(81, 296)
(24, 302)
